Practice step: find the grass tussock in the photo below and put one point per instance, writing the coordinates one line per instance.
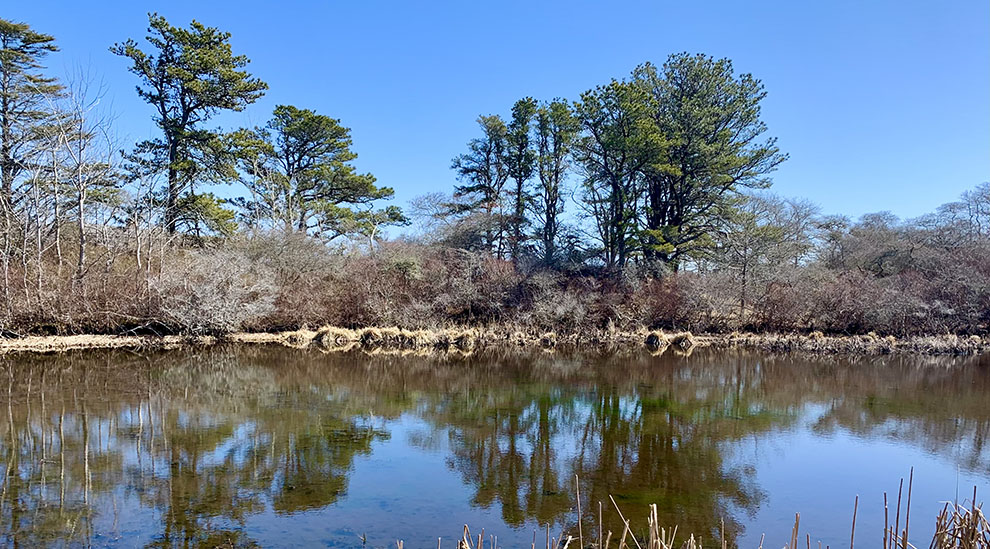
(299, 339)
(657, 340)
(683, 341)
(959, 527)
(329, 337)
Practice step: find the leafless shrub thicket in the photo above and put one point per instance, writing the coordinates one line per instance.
(892, 278)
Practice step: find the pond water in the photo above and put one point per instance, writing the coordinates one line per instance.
(279, 447)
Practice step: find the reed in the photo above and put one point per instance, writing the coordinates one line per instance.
(960, 527)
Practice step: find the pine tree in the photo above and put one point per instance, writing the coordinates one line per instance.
(189, 76)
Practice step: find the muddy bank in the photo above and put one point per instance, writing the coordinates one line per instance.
(468, 340)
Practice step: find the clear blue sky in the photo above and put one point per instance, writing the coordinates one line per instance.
(882, 105)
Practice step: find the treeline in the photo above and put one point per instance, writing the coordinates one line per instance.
(641, 204)
(661, 159)
(95, 233)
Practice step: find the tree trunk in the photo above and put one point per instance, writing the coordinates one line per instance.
(517, 221)
(58, 213)
(171, 216)
(81, 203)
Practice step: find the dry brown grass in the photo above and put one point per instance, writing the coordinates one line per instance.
(683, 342)
(959, 527)
(331, 338)
(657, 340)
(57, 344)
(870, 344)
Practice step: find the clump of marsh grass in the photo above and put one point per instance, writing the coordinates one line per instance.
(656, 340)
(518, 338)
(960, 527)
(373, 337)
(416, 339)
(458, 339)
(466, 340)
(300, 338)
(333, 338)
(683, 341)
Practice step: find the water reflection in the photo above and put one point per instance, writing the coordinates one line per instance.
(194, 448)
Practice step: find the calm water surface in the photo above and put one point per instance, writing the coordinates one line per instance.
(278, 447)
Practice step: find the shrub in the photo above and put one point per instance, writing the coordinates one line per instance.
(215, 292)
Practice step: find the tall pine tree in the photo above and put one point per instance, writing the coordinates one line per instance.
(189, 76)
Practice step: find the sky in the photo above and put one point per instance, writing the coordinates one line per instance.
(881, 105)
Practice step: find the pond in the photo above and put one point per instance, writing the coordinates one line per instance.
(276, 447)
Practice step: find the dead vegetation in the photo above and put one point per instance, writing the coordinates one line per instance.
(960, 527)
(467, 340)
(335, 339)
(869, 344)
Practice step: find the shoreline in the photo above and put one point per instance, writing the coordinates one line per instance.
(468, 340)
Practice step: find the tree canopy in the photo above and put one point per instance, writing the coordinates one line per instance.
(710, 119)
(188, 76)
(25, 91)
(299, 173)
(661, 160)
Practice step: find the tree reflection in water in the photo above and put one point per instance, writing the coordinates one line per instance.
(193, 444)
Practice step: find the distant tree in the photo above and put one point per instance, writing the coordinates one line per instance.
(831, 250)
(799, 220)
(617, 141)
(521, 163)
(484, 172)
(711, 118)
(299, 172)
(555, 132)
(971, 214)
(189, 76)
(751, 243)
(880, 244)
